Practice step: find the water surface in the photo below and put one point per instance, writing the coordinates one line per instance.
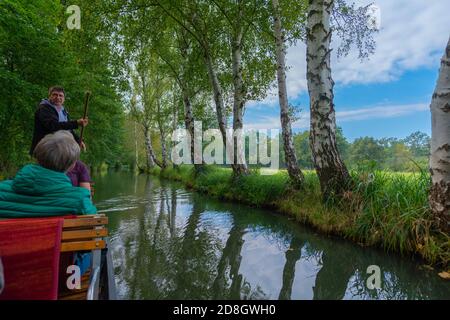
(171, 243)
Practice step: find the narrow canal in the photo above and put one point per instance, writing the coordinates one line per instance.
(172, 243)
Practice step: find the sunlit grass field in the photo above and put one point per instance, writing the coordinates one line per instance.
(388, 209)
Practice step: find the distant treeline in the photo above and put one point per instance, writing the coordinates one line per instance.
(410, 154)
(368, 153)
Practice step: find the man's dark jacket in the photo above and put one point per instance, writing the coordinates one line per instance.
(46, 121)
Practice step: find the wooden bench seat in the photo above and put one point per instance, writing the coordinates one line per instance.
(84, 233)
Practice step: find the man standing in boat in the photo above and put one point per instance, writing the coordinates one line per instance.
(51, 117)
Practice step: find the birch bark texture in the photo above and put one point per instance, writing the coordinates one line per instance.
(162, 133)
(147, 117)
(293, 169)
(239, 165)
(174, 117)
(149, 148)
(440, 145)
(188, 114)
(333, 175)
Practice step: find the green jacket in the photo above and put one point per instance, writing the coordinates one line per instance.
(36, 191)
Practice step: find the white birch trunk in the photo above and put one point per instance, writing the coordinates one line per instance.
(162, 135)
(239, 164)
(214, 81)
(175, 116)
(333, 175)
(188, 115)
(218, 95)
(136, 148)
(440, 145)
(148, 145)
(146, 120)
(291, 159)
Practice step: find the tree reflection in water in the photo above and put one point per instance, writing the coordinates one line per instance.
(175, 244)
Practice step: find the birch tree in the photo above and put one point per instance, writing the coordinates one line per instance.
(143, 119)
(183, 60)
(351, 26)
(237, 58)
(197, 25)
(440, 145)
(148, 85)
(156, 46)
(164, 107)
(175, 110)
(333, 174)
(293, 169)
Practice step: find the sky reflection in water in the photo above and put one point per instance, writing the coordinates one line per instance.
(169, 243)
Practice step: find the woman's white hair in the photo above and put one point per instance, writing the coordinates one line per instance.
(57, 151)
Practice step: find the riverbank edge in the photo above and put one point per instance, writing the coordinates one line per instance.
(308, 209)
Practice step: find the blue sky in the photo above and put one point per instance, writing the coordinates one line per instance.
(387, 95)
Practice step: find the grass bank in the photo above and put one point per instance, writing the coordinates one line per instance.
(386, 209)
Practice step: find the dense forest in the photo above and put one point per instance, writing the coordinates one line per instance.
(38, 51)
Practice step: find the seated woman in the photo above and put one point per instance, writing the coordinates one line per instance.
(44, 189)
(79, 176)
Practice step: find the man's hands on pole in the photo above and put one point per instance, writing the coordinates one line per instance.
(83, 122)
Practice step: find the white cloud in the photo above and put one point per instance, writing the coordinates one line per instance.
(380, 112)
(368, 113)
(262, 123)
(413, 35)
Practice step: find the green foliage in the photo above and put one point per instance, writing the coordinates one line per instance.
(366, 149)
(213, 180)
(30, 53)
(391, 153)
(261, 190)
(418, 143)
(90, 70)
(367, 153)
(398, 156)
(303, 150)
(36, 52)
(395, 212)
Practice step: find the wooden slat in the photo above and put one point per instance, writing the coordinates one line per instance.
(79, 295)
(82, 245)
(84, 234)
(72, 223)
